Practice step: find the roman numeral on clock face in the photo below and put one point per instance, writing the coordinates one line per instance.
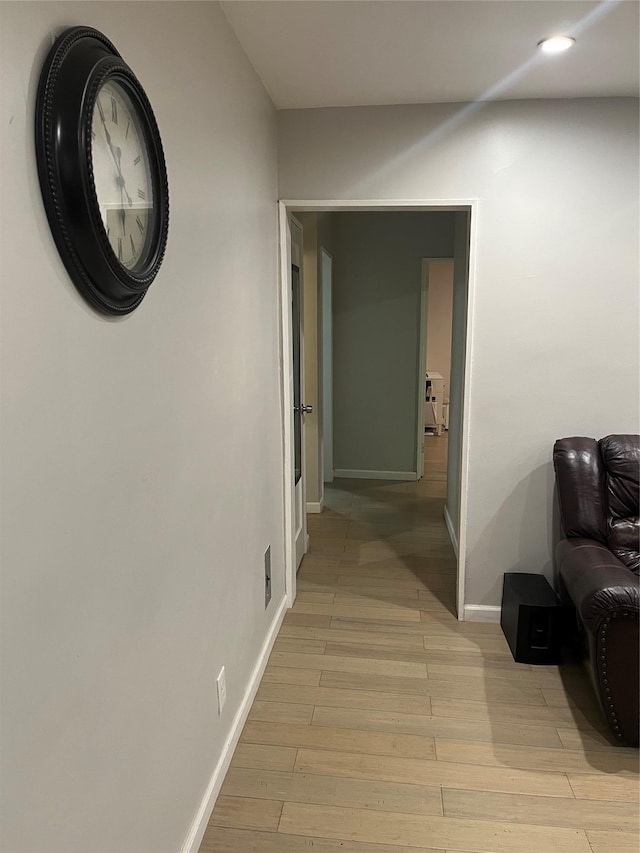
(140, 225)
(114, 111)
(142, 194)
(133, 245)
(137, 160)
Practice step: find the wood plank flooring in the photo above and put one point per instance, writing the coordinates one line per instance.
(384, 725)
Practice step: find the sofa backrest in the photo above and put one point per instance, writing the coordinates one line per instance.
(598, 490)
(581, 488)
(621, 457)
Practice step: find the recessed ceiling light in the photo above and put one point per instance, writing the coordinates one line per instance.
(556, 44)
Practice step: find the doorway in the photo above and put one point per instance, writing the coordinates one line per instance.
(463, 259)
(434, 354)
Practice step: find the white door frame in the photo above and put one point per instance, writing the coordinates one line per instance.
(342, 205)
(300, 534)
(286, 398)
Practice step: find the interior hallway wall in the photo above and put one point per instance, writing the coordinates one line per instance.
(556, 184)
(141, 456)
(459, 322)
(376, 327)
(325, 333)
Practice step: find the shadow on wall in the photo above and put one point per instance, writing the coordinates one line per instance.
(513, 526)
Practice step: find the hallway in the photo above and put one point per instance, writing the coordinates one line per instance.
(384, 725)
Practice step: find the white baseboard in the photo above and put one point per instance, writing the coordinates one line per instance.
(450, 530)
(315, 507)
(357, 474)
(199, 825)
(481, 613)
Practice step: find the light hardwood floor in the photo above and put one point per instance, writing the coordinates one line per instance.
(384, 725)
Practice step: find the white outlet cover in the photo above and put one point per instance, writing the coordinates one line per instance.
(222, 690)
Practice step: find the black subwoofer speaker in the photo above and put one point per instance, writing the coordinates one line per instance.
(532, 619)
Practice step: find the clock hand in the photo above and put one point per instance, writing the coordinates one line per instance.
(123, 215)
(108, 135)
(116, 159)
(122, 185)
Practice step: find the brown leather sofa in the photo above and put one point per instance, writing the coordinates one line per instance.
(598, 563)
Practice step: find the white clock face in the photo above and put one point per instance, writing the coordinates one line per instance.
(122, 176)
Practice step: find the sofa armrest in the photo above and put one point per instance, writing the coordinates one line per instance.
(597, 582)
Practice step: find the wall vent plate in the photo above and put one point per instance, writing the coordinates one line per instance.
(267, 577)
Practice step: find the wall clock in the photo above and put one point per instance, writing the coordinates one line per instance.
(102, 171)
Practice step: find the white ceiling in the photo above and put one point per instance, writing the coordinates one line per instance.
(320, 53)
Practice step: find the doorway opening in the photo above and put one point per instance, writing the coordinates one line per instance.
(369, 323)
(434, 356)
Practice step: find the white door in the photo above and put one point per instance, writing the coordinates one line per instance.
(299, 408)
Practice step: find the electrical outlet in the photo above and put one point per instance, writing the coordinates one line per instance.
(222, 690)
(267, 577)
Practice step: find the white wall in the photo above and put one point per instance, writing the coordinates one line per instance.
(141, 457)
(556, 280)
(376, 326)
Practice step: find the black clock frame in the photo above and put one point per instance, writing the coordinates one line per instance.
(79, 63)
